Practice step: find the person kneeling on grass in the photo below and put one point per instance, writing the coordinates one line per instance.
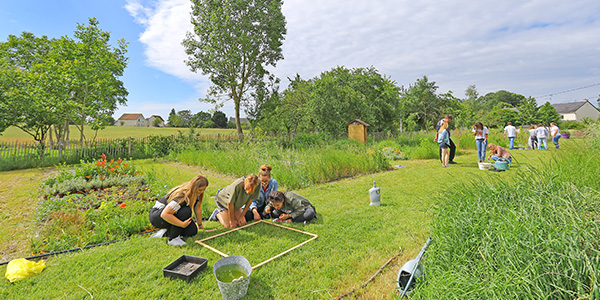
(268, 184)
(290, 207)
(499, 153)
(173, 212)
(233, 201)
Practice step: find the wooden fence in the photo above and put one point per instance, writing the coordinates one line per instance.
(19, 155)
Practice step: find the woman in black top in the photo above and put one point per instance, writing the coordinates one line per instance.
(173, 212)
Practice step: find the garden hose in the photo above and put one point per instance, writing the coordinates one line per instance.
(75, 249)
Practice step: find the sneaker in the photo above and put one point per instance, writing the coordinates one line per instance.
(159, 234)
(178, 241)
(213, 216)
(452, 162)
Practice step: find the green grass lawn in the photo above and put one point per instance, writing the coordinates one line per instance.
(12, 134)
(355, 239)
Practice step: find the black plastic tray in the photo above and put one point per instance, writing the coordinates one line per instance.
(186, 267)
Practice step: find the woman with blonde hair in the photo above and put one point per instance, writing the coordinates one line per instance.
(267, 185)
(499, 153)
(173, 212)
(444, 141)
(233, 201)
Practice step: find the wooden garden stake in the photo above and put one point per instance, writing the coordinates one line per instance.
(313, 236)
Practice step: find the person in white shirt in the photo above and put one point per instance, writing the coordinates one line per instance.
(542, 135)
(510, 131)
(481, 135)
(532, 141)
(555, 133)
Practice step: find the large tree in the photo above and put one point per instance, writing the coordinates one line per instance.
(94, 67)
(31, 92)
(422, 107)
(342, 95)
(233, 41)
(548, 114)
(528, 111)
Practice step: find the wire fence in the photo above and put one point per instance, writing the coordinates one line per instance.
(32, 154)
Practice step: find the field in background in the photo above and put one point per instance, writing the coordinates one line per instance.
(13, 134)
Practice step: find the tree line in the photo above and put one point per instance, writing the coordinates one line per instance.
(185, 118)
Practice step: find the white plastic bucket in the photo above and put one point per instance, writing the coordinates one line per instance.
(485, 166)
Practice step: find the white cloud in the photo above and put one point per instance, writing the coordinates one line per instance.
(165, 25)
(533, 47)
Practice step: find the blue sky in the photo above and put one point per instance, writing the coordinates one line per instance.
(534, 48)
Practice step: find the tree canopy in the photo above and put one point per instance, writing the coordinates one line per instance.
(330, 101)
(51, 82)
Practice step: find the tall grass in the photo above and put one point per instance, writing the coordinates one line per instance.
(536, 238)
(293, 167)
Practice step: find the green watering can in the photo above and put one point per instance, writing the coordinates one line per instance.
(502, 165)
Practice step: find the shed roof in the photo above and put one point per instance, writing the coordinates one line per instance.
(358, 122)
(130, 116)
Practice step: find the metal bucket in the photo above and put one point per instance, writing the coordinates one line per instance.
(237, 288)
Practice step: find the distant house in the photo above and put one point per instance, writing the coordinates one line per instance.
(577, 111)
(154, 117)
(242, 120)
(138, 120)
(131, 120)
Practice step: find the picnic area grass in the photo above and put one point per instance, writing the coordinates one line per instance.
(354, 241)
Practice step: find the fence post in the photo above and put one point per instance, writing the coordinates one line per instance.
(129, 147)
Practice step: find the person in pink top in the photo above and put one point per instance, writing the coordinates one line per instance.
(499, 153)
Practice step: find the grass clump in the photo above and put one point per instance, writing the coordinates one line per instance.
(536, 238)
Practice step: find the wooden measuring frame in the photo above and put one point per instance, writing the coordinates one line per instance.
(314, 236)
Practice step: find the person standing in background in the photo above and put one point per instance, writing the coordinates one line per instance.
(555, 133)
(510, 131)
(542, 135)
(451, 145)
(532, 141)
(481, 135)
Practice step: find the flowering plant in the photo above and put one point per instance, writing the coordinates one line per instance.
(93, 175)
(392, 153)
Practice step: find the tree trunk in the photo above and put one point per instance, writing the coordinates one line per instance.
(238, 125)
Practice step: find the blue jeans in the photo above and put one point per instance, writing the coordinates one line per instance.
(555, 140)
(512, 142)
(544, 141)
(495, 158)
(481, 145)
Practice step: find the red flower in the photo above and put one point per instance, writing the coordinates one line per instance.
(122, 205)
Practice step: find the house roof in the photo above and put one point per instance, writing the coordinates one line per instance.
(569, 107)
(157, 117)
(358, 122)
(242, 120)
(130, 116)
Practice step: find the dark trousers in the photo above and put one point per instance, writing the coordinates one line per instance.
(452, 151)
(250, 215)
(173, 231)
(308, 215)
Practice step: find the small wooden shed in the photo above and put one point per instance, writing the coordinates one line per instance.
(357, 130)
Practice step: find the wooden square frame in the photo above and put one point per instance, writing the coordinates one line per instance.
(313, 236)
